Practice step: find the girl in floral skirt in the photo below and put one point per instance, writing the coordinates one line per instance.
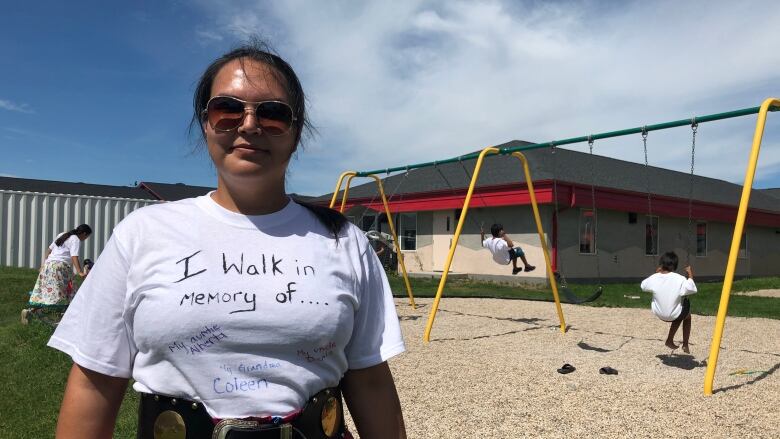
(54, 285)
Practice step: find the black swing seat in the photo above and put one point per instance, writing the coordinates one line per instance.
(570, 297)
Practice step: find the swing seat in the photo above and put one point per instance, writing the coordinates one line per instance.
(570, 297)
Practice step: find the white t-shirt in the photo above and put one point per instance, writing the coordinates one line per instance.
(250, 315)
(668, 291)
(64, 252)
(499, 248)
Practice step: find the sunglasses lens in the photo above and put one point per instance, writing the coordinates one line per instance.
(225, 113)
(274, 118)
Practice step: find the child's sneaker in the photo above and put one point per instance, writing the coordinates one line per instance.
(530, 268)
(516, 270)
(25, 318)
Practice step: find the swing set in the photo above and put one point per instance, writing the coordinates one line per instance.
(771, 104)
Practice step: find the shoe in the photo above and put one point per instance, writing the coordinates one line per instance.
(606, 370)
(566, 368)
(516, 270)
(530, 268)
(25, 316)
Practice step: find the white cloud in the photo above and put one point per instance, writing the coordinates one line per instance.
(11, 106)
(206, 36)
(407, 82)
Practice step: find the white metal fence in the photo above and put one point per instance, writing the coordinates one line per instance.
(29, 222)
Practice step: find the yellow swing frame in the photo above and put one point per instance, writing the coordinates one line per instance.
(731, 264)
(462, 220)
(350, 175)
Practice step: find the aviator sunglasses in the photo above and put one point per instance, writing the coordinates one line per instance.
(226, 113)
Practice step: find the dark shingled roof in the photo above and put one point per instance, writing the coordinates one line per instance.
(775, 192)
(572, 167)
(63, 187)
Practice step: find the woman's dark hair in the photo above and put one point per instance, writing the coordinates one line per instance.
(261, 52)
(669, 261)
(495, 229)
(255, 50)
(77, 231)
(330, 218)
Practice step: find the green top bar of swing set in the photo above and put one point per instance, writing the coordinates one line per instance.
(637, 130)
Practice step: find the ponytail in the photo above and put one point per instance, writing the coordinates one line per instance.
(77, 231)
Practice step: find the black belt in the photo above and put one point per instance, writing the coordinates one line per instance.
(165, 417)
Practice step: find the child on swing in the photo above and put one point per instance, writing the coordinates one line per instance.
(504, 249)
(669, 302)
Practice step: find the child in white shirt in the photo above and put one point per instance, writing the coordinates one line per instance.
(669, 302)
(503, 249)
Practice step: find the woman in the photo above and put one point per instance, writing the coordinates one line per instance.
(241, 307)
(53, 288)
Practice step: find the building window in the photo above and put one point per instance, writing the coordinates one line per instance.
(743, 251)
(651, 235)
(368, 223)
(701, 239)
(407, 227)
(587, 232)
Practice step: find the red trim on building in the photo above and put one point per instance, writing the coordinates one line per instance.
(569, 195)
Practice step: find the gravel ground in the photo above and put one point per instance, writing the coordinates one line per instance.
(490, 372)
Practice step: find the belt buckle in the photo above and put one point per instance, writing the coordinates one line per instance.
(225, 426)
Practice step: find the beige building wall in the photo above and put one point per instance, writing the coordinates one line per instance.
(620, 245)
(435, 230)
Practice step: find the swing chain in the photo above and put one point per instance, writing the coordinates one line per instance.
(557, 268)
(694, 130)
(593, 206)
(647, 185)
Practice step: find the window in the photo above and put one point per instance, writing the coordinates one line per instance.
(651, 235)
(701, 239)
(368, 223)
(407, 230)
(587, 231)
(743, 252)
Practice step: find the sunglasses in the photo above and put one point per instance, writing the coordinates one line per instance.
(226, 113)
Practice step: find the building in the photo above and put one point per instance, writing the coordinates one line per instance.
(34, 212)
(640, 212)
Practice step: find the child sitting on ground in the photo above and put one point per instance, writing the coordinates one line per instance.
(669, 302)
(504, 249)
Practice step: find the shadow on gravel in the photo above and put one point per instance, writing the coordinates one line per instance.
(752, 380)
(404, 318)
(529, 321)
(687, 362)
(491, 335)
(582, 345)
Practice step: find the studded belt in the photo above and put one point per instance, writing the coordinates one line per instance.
(165, 417)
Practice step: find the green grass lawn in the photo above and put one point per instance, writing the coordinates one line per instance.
(705, 302)
(34, 375)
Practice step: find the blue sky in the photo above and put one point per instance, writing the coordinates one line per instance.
(102, 94)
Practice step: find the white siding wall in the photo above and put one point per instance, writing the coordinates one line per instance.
(30, 221)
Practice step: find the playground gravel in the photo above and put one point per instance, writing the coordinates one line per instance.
(490, 370)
